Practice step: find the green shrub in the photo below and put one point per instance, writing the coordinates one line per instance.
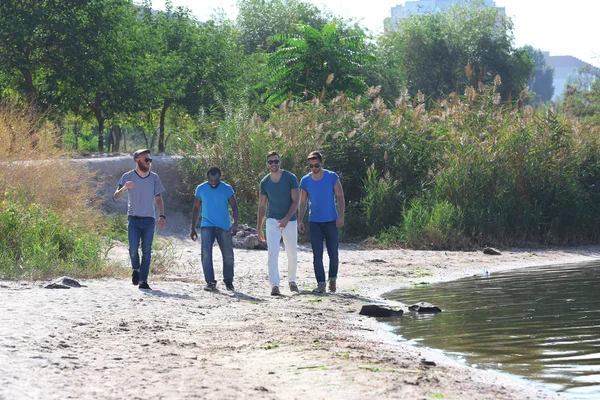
(35, 243)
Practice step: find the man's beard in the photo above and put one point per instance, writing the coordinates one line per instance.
(143, 167)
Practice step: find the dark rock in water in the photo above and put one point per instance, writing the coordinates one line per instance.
(491, 251)
(63, 283)
(373, 310)
(423, 307)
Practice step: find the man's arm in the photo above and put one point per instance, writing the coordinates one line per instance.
(161, 211)
(293, 208)
(302, 209)
(260, 218)
(121, 189)
(341, 203)
(196, 210)
(234, 209)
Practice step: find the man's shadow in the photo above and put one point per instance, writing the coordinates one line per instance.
(160, 293)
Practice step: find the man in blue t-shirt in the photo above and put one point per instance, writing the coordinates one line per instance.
(320, 188)
(279, 190)
(213, 199)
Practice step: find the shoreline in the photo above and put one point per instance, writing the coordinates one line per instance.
(111, 340)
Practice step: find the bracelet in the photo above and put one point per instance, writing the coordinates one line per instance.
(162, 216)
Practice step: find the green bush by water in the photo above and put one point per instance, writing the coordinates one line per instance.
(468, 170)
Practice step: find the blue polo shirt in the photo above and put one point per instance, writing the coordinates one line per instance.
(321, 197)
(215, 204)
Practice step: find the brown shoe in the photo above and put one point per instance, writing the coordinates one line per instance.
(275, 291)
(294, 287)
(319, 289)
(332, 286)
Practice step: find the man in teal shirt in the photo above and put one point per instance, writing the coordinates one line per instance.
(213, 199)
(279, 190)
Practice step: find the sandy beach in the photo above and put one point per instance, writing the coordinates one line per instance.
(109, 340)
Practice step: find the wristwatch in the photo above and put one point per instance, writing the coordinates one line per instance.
(162, 216)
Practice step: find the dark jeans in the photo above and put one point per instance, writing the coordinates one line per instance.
(327, 231)
(140, 228)
(207, 236)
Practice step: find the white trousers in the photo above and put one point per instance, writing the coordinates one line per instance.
(290, 240)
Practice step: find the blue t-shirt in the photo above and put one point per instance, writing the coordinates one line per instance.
(321, 197)
(215, 204)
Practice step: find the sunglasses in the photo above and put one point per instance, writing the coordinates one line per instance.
(271, 162)
(314, 165)
(148, 159)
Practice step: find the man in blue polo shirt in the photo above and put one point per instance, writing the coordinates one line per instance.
(319, 189)
(213, 199)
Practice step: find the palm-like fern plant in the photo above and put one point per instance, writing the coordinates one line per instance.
(314, 62)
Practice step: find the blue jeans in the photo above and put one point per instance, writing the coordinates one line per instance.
(140, 228)
(327, 231)
(207, 237)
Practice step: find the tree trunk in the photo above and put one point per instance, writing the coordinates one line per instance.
(161, 126)
(29, 86)
(76, 133)
(100, 119)
(116, 138)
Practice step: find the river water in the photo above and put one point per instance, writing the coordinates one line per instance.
(541, 324)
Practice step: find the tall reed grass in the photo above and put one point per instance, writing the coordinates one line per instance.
(467, 170)
(48, 223)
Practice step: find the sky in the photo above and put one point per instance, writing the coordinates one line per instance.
(561, 27)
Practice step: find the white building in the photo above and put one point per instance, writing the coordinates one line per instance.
(566, 70)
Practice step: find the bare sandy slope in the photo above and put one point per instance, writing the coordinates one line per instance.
(111, 340)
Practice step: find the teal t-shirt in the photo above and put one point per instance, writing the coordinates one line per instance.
(215, 204)
(279, 194)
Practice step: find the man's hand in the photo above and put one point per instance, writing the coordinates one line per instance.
(340, 221)
(161, 222)
(300, 226)
(283, 223)
(128, 185)
(194, 235)
(261, 235)
(233, 230)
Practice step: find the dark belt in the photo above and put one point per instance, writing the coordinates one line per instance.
(129, 217)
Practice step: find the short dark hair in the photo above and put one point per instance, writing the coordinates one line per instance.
(213, 171)
(272, 153)
(315, 154)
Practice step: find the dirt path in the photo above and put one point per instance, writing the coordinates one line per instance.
(111, 340)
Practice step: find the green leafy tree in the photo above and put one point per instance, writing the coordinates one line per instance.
(541, 82)
(440, 47)
(581, 98)
(258, 20)
(101, 61)
(311, 62)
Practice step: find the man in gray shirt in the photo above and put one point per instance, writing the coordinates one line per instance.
(144, 190)
(279, 189)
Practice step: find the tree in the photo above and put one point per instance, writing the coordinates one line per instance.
(581, 98)
(258, 20)
(438, 48)
(543, 76)
(310, 61)
(101, 61)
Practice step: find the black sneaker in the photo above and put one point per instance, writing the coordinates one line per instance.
(211, 287)
(144, 285)
(229, 286)
(135, 277)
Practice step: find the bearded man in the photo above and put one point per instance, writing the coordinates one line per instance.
(144, 190)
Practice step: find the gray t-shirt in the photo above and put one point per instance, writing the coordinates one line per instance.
(141, 197)
(279, 194)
